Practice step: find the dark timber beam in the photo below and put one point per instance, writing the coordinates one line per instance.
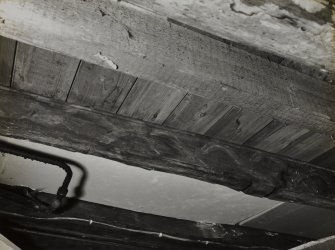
(85, 225)
(157, 148)
(135, 40)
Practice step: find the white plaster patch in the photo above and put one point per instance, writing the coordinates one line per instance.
(311, 6)
(106, 60)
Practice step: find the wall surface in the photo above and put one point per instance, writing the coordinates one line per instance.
(116, 184)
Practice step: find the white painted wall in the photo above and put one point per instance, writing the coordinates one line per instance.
(116, 184)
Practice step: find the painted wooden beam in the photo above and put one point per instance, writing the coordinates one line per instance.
(135, 40)
(154, 147)
(102, 227)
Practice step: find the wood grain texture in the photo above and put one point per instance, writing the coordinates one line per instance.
(154, 147)
(43, 72)
(269, 129)
(277, 139)
(100, 88)
(136, 41)
(268, 25)
(238, 126)
(7, 53)
(196, 114)
(308, 146)
(150, 101)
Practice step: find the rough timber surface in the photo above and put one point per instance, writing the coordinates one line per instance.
(7, 53)
(135, 40)
(154, 147)
(100, 88)
(43, 72)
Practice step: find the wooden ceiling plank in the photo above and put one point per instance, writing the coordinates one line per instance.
(278, 139)
(134, 40)
(326, 160)
(308, 147)
(43, 72)
(7, 54)
(269, 129)
(100, 88)
(238, 126)
(151, 102)
(154, 147)
(196, 114)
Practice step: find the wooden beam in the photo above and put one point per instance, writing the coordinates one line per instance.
(158, 148)
(103, 227)
(135, 40)
(84, 221)
(267, 25)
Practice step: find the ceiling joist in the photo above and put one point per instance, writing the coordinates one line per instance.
(154, 147)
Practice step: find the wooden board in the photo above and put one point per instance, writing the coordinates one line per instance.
(154, 147)
(277, 139)
(100, 88)
(7, 53)
(238, 126)
(327, 159)
(134, 40)
(151, 102)
(196, 114)
(309, 146)
(43, 72)
(216, 119)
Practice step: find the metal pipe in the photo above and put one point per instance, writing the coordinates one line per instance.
(26, 153)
